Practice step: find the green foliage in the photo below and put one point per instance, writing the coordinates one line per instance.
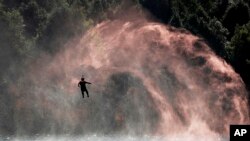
(240, 43)
(48, 24)
(240, 50)
(35, 18)
(12, 36)
(236, 13)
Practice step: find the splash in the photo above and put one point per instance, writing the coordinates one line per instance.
(148, 79)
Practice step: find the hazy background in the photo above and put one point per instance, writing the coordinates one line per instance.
(46, 46)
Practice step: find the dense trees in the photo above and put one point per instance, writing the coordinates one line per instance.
(240, 49)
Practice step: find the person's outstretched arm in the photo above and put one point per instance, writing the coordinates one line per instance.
(87, 82)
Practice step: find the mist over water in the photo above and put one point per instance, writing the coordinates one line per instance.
(148, 79)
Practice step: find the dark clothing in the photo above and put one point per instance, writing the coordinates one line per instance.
(83, 87)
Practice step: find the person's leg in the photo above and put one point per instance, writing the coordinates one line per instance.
(87, 93)
(82, 93)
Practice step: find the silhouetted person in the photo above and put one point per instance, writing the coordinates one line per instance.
(83, 83)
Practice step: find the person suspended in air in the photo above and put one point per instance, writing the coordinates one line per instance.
(82, 84)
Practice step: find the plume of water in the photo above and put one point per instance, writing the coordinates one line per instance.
(147, 79)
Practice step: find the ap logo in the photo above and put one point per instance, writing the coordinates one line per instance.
(239, 132)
